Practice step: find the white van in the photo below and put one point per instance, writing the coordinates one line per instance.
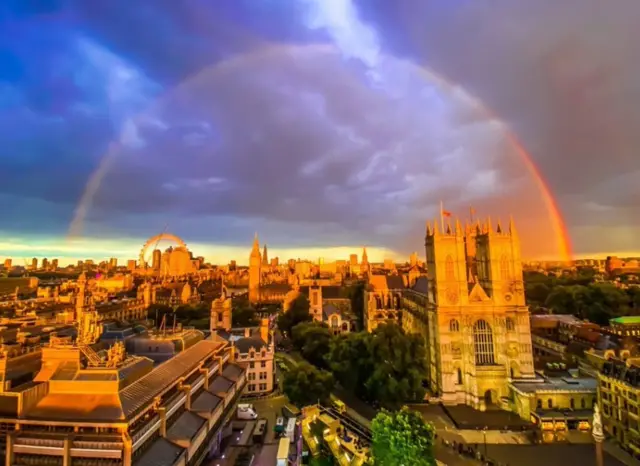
(247, 411)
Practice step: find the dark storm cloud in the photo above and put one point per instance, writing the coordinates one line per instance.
(565, 75)
(325, 143)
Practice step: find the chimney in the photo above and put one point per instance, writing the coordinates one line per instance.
(264, 330)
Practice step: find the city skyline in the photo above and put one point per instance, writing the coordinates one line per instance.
(360, 129)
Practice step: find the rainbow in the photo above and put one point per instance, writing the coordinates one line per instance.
(563, 240)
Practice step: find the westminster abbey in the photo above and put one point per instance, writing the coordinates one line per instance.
(470, 309)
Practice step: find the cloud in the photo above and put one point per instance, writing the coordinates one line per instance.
(301, 152)
(347, 142)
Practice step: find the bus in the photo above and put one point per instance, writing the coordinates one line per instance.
(260, 431)
(339, 406)
(283, 452)
(290, 431)
(246, 434)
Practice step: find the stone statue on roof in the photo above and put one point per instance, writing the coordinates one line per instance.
(597, 431)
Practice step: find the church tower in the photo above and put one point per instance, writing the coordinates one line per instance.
(499, 265)
(265, 257)
(255, 271)
(364, 267)
(446, 265)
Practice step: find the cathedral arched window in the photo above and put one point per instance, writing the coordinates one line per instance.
(483, 343)
(505, 272)
(449, 271)
(454, 325)
(511, 326)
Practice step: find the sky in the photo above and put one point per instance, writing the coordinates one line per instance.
(323, 125)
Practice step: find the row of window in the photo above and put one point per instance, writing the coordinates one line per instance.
(454, 325)
(252, 364)
(252, 387)
(261, 376)
(572, 403)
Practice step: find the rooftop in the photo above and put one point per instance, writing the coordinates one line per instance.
(626, 320)
(578, 384)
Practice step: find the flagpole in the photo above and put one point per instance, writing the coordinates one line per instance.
(441, 216)
(471, 213)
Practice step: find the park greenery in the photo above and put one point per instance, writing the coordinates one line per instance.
(297, 313)
(385, 366)
(582, 295)
(304, 384)
(402, 438)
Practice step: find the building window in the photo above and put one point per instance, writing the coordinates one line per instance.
(550, 403)
(583, 403)
(459, 376)
(251, 365)
(510, 325)
(454, 325)
(263, 364)
(449, 271)
(483, 343)
(572, 403)
(314, 298)
(251, 387)
(263, 386)
(539, 404)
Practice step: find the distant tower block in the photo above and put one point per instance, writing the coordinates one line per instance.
(255, 271)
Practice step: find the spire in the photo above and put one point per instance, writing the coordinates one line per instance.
(489, 225)
(499, 227)
(365, 259)
(428, 230)
(512, 227)
(265, 257)
(436, 228)
(459, 231)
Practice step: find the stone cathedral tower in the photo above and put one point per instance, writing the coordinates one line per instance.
(255, 271)
(478, 323)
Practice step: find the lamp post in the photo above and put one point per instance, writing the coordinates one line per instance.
(484, 435)
(598, 434)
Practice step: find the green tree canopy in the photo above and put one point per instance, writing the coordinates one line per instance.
(400, 365)
(402, 438)
(244, 317)
(297, 313)
(386, 366)
(597, 302)
(351, 362)
(305, 385)
(313, 340)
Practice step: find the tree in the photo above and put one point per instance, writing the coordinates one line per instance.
(305, 385)
(297, 313)
(400, 365)
(402, 438)
(350, 361)
(313, 340)
(244, 317)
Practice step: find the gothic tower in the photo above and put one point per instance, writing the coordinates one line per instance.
(499, 264)
(364, 267)
(255, 271)
(265, 257)
(446, 265)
